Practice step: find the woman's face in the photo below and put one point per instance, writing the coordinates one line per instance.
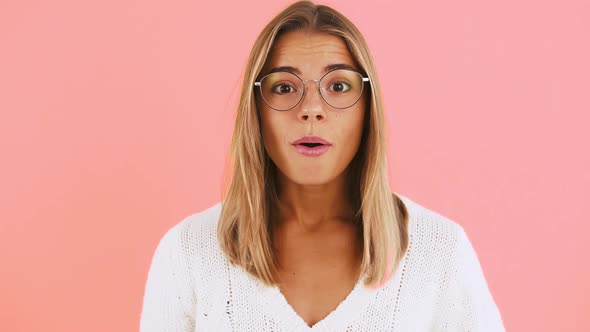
(310, 56)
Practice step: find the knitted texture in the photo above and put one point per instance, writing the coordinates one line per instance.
(438, 286)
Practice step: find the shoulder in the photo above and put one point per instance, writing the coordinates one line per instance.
(429, 224)
(442, 266)
(187, 238)
(204, 221)
(170, 297)
(432, 235)
(197, 223)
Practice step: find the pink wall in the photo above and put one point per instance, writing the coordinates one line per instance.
(117, 115)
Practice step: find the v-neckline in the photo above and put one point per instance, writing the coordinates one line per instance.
(345, 312)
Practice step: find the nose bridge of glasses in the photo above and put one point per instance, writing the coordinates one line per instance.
(306, 89)
(317, 82)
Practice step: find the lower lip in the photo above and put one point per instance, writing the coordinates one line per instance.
(312, 152)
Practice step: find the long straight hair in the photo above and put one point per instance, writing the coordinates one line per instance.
(246, 220)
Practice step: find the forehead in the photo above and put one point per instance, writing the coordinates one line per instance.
(309, 52)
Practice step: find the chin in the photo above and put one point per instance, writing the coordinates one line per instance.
(310, 179)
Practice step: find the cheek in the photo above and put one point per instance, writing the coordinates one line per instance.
(271, 128)
(352, 128)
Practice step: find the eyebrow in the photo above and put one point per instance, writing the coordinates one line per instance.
(298, 72)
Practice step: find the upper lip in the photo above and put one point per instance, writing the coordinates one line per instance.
(311, 139)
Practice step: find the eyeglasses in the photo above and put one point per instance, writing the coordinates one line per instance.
(340, 88)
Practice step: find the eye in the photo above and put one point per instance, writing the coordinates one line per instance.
(339, 86)
(283, 88)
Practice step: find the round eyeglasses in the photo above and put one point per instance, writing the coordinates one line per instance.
(340, 88)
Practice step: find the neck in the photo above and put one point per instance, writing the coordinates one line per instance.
(313, 207)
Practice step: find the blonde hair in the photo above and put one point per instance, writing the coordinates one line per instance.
(245, 224)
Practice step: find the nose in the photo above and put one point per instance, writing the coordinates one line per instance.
(312, 105)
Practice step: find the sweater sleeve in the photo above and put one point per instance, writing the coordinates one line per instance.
(469, 303)
(168, 301)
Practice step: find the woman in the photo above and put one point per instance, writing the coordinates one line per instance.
(309, 236)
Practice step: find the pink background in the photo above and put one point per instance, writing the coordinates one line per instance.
(117, 117)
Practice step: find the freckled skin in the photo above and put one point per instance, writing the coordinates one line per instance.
(310, 53)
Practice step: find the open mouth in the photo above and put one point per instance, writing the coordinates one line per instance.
(311, 145)
(312, 149)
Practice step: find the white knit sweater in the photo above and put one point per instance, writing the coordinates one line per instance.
(439, 286)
